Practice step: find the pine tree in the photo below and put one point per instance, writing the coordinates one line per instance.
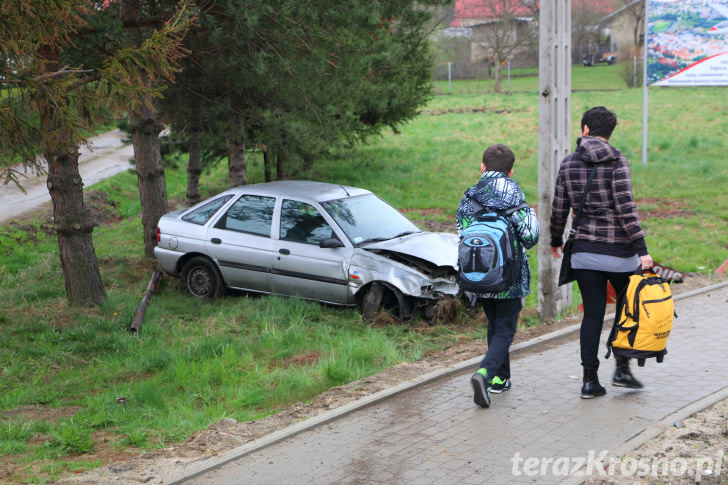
(47, 103)
(300, 78)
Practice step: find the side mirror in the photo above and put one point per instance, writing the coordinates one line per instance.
(331, 242)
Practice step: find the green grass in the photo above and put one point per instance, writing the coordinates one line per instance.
(600, 77)
(76, 374)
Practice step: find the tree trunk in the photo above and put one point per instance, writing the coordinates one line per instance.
(73, 227)
(497, 85)
(194, 168)
(308, 160)
(237, 167)
(267, 165)
(84, 286)
(636, 32)
(280, 164)
(145, 129)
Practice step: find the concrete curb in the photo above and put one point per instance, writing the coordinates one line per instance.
(290, 431)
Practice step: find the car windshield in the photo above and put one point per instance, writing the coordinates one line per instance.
(367, 218)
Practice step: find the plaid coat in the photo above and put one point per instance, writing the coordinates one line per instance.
(496, 191)
(609, 223)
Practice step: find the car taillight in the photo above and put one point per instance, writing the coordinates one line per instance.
(159, 235)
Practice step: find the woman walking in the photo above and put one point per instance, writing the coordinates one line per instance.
(609, 244)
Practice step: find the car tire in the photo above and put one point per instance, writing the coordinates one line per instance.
(382, 296)
(371, 303)
(201, 278)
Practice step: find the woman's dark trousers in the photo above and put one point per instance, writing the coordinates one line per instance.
(593, 287)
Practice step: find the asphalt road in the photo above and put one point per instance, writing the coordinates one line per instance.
(107, 156)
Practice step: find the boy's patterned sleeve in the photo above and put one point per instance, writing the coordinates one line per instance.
(463, 216)
(527, 226)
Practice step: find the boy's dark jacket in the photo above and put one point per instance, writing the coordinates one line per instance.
(496, 191)
(609, 222)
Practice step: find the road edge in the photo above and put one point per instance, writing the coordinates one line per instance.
(645, 435)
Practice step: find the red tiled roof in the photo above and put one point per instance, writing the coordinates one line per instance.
(488, 9)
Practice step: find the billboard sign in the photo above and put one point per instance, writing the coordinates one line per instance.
(687, 42)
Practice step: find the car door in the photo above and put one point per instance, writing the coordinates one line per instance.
(302, 268)
(240, 241)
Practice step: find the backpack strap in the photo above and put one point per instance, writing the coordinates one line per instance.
(512, 210)
(577, 216)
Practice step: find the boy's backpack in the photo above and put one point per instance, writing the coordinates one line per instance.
(643, 319)
(490, 254)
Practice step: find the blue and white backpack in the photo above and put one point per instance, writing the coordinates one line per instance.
(490, 254)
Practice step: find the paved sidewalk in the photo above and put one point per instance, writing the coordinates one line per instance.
(436, 434)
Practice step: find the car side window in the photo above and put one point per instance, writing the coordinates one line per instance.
(203, 213)
(301, 222)
(250, 213)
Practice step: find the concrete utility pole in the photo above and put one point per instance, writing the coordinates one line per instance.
(554, 123)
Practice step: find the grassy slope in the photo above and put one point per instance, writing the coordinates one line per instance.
(194, 363)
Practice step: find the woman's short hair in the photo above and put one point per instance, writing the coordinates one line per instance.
(600, 120)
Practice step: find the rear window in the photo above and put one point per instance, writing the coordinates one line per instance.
(203, 213)
(250, 213)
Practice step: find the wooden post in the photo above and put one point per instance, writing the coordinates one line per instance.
(554, 120)
(152, 288)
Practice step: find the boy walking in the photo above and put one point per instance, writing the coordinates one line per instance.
(496, 190)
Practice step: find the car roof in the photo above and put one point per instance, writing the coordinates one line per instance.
(318, 191)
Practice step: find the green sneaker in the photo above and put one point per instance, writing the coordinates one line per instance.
(498, 385)
(480, 388)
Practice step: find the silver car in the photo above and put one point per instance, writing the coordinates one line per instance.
(325, 242)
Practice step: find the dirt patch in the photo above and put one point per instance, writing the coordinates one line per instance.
(471, 109)
(106, 448)
(424, 212)
(102, 209)
(176, 203)
(25, 231)
(663, 208)
(34, 412)
(436, 226)
(300, 360)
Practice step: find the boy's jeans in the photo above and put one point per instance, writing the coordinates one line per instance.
(502, 322)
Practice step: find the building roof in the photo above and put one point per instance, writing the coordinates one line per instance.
(487, 9)
(621, 8)
(470, 11)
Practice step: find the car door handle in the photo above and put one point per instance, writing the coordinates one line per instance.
(284, 251)
(215, 240)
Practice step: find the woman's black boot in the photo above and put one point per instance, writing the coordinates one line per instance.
(591, 387)
(623, 376)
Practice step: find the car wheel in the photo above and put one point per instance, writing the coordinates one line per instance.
(200, 278)
(372, 301)
(382, 296)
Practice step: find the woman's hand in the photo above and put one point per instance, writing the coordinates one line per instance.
(557, 252)
(647, 261)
